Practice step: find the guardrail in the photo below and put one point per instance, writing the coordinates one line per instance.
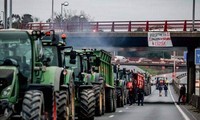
(114, 26)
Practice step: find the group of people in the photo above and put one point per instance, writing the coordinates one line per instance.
(161, 88)
(182, 95)
(139, 93)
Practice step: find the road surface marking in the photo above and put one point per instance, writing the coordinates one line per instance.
(120, 111)
(126, 107)
(180, 110)
(190, 113)
(111, 116)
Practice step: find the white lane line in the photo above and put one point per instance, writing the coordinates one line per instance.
(111, 116)
(126, 107)
(190, 113)
(120, 111)
(180, 110)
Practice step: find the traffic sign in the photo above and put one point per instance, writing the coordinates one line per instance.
(197, 56)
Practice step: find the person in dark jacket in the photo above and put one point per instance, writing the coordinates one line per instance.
(165, 88)
(182, 93)
(140, 94)
(160, 90)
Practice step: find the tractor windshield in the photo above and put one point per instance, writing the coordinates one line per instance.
(80, 66)
(17, 46)
(51, 53)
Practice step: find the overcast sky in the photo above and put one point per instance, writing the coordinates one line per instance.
(110, 9)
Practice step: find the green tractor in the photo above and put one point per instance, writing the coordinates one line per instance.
(121, 78)
(29, 88)
(84, 93)
(103, 81)
(53, 51)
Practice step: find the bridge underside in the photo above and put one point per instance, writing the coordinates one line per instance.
(120, 39)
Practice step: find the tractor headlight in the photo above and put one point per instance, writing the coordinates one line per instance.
(6, 91)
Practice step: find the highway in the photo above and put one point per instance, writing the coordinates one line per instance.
(155, 108)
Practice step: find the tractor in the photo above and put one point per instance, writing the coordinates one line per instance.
(53, 48)
(121, 79)
(102, 80)
(29, 88)
(84, 93)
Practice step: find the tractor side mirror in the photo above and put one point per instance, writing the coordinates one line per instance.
(73, 55)
(98, 61)
(55, 39)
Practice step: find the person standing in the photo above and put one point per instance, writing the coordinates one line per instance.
(160, 90)
(140, 93)
(130, 93)
(165, 88)
(182, 93)
(166, 81)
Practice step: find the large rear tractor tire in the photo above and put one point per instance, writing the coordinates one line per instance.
(63, 108)
(109, 100)
(125, 97)
(33, 106)
(114, 100)
(87, 105)
(120, 98)
(99, 100)
(119, 95)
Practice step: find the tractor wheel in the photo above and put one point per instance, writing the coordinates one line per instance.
(109, 100)
(103, 101)
(103, 95)
(126, 97)
(114, 101)
(62, 100)
(99, 100)
(119, 95)
(122, 98)
(33, 106)
(87, 105)
(72, 104)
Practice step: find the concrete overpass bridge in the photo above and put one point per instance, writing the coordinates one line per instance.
(126, 34)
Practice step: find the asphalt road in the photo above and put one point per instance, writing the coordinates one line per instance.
(155, 108)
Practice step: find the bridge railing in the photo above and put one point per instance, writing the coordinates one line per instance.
(115, 26)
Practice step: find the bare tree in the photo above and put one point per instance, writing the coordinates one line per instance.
(71, 21)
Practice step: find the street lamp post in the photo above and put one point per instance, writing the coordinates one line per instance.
(63, 4)
(5, 14)
(52, 11)
(193, 15)
(10, 19)
(3, 18)
(80, 22)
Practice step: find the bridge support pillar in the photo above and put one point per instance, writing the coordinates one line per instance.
(190, 73)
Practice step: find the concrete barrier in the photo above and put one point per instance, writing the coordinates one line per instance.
(195, 101)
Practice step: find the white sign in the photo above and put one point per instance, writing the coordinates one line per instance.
(159, 39)
(197, 56)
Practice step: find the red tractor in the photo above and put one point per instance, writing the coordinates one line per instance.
(136, 81)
